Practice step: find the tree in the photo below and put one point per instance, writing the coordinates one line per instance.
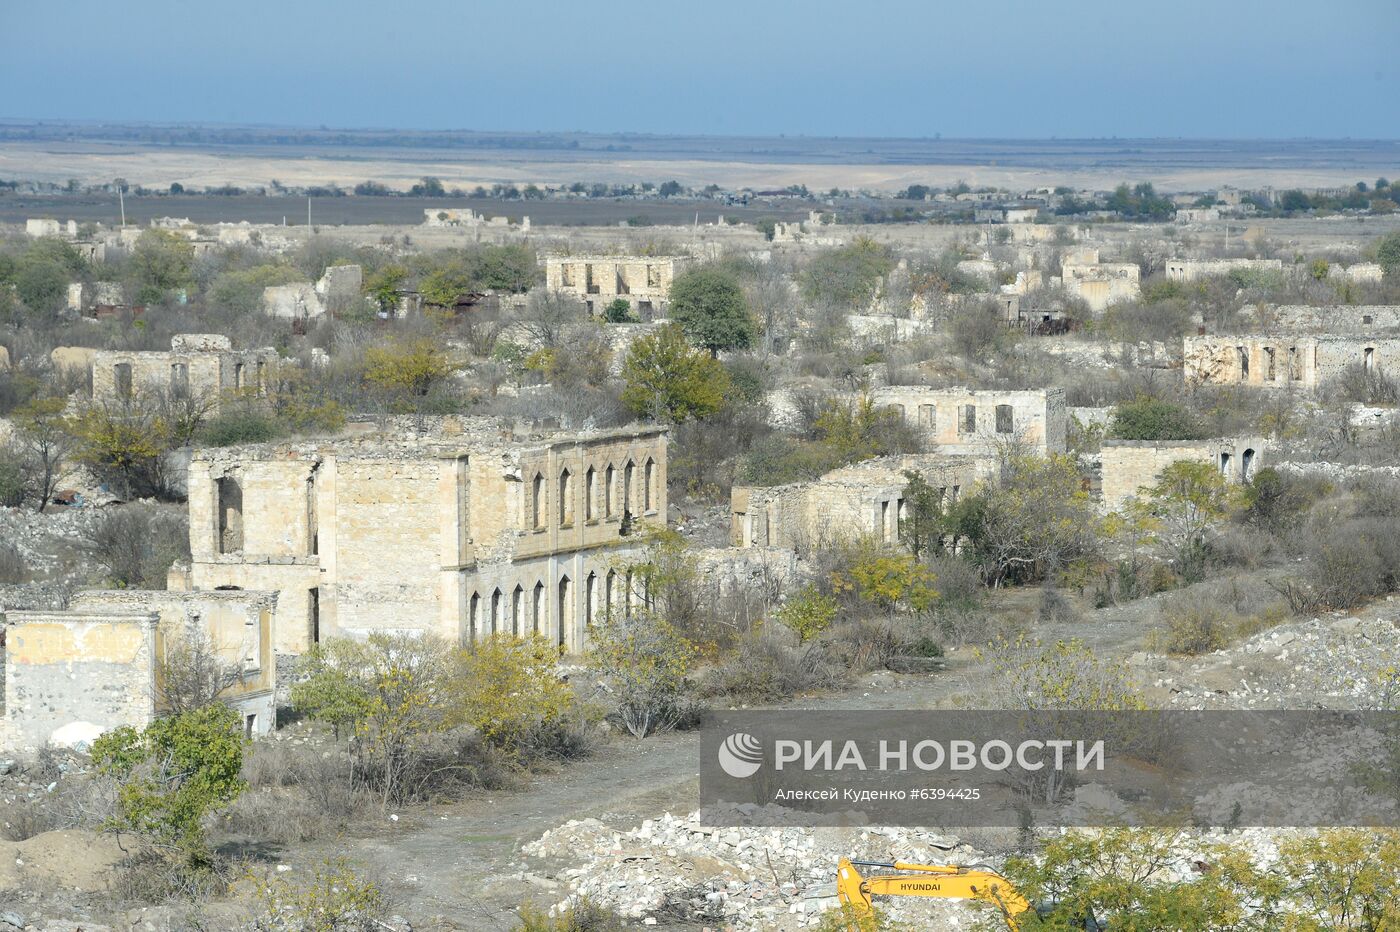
(396, 691)
(644, 661)
(710, 306)
(1131, 878)
(125, 444)
(618, 311)
(857, 430)
(921, 528)
(669, 188)
(1342, 879)
(161, 262)
(1388, 253)
(667, 380)
(510, 687)
(42, 284)
(428, 186)
(411, 367)
(1188, 499)
(548, 316)
(44, 434)
(173, 774)
(383, 287)
(848, 276)
(808, 613)
(191, 674)
(1148, 418)
(1032, 522)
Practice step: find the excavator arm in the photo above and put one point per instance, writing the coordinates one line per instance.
(931, 880)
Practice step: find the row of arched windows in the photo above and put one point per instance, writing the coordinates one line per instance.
(522, 612)
(607, 494)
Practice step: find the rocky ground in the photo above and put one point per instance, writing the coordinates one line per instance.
(52, 546)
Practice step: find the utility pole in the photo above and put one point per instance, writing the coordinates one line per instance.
(308, 211)
(121, 199)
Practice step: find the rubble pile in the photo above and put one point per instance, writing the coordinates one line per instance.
(43, 540)
(1337, 662)
(674, 868)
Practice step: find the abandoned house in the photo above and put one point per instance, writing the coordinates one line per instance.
(337, 291)
(864, 500)
(1188, 270)
(71, 675)
(475, 532)
(644, 282)
(1101, 284)
(1128, 465)
(199, 365)
(963, 421)
(1282, 360)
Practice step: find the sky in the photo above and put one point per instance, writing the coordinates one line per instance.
(971, 69)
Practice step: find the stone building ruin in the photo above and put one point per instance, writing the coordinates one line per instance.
(966, 421)
(864, 500)
(72, 675)
(198, 365)
(1128, 465)
(644, 282)
(1282, 360)
(463, 536)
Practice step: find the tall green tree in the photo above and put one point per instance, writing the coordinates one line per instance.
(710, 306)
(668, 380)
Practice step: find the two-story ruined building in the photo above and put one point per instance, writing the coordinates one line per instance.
(198, 365)
(964, 421)
(644, 282)
(476, 531)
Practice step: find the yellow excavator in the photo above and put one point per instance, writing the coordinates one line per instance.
(975, 882)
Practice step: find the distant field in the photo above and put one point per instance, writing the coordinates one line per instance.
(398, 211)
(253, 156)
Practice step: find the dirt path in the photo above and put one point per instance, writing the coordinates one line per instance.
(459, 866)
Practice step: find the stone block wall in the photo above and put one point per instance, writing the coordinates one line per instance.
(1128, 465)
(963, 421)
(1283, 360)
(69, 676)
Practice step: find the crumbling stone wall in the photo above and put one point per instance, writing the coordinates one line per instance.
(964, 421)
(381, 534)
(865, 500)
(1282, 360)
(1353, 319)
(198, 365)
(237, 625)
(1188, 270)
(644, 282)
(69, 676)
(1128, 465)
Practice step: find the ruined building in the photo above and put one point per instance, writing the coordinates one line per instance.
(1188, 270)
(71, 675)
(1282, 360)
(963, 421)
(644, 282)
(1128, 465)
(1100, 284)
(864, 500)
(337, 291)
(199, 365)
(1352, 319)
(473, 532)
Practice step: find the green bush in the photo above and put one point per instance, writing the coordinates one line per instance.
(1148, 418)
(240, 426)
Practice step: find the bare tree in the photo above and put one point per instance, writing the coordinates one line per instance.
(191, 674)
(548, 316)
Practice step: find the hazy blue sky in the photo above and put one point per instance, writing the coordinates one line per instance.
(819, 67)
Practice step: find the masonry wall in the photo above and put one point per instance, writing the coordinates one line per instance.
(362, 537)
(201, 373)
(1128, 465)
(238, 626)
(1353, 319)
(1186, 270)
(70, 676)
(1038, 419)
(1281, 360)
(866, 500)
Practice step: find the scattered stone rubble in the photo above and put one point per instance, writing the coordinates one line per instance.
(1335, 662)
(673, 868)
